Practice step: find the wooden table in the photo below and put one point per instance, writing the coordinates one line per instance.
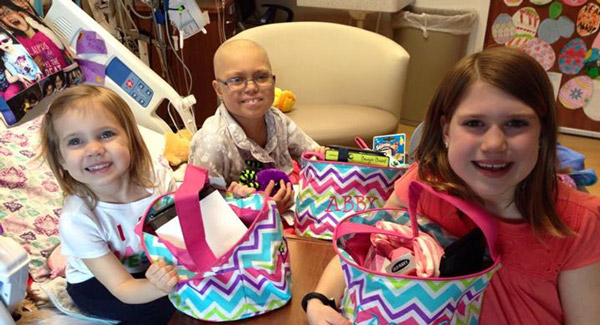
(308, 259)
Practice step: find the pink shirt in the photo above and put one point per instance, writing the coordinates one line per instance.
(52, 56)
(525, 289)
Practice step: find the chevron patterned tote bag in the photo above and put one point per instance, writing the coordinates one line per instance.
(251, 278)
(382, 298)
(330, 191)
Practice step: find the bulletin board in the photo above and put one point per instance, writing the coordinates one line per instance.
(562, 35)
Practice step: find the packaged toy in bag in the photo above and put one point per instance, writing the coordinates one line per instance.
(453, 297)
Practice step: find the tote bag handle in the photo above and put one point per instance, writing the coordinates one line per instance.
(480, 217)
(188, 209)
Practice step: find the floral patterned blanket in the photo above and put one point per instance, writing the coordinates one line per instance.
(30, 196)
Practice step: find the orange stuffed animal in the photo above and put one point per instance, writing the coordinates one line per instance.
(177, 147)
(284, 100)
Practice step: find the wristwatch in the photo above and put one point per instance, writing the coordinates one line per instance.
(315, 295)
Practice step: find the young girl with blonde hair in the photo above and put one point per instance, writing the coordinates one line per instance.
(93, 146)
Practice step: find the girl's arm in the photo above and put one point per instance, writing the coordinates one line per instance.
(395, 202)
(161, 279)
(579, 291)
(332, 285)
(9, 77)
(24, 79)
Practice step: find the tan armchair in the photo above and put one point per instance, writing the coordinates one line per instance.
(348, 81)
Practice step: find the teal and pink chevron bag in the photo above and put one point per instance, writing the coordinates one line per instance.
(373, 297)
(251, 278)
(331, 190)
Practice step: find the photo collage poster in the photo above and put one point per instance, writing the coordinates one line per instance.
(35, 64)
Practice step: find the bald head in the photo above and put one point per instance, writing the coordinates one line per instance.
(230, 50)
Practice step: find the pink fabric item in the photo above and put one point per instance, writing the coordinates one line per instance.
(12, 90)
(525, 289)
(246, 215)
(40, 46)
(426, 250)
(295, 173)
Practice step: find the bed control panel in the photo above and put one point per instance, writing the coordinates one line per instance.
(129, 82)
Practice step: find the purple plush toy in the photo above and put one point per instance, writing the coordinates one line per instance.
(264, 176)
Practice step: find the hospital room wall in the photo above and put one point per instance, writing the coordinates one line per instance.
(198, 52)
(384, 27)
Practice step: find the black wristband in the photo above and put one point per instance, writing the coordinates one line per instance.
(315, 295)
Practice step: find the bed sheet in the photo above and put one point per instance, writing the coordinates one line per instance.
(30, 196)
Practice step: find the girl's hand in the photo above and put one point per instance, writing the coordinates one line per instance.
(26, 81)
(162, 276)
(319, 314)
(240, 190)
(284, 198)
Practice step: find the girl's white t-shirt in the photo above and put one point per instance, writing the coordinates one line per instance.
(109, 227)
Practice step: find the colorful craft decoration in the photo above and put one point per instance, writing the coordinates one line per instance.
(592, 63)
(596, 42)
(513, 3)
(541, 51)
(574, 3)
(572, 56)
(526, 22)
(555, 10)
(576, 92)
(563, 36)
(503, 29)
(592, 109)
(551, 30)
(588, 19)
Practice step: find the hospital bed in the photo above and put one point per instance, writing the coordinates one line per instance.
(29, 193)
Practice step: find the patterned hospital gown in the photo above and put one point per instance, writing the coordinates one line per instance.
(221, 145)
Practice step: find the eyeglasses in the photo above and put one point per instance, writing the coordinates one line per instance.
(240, 83)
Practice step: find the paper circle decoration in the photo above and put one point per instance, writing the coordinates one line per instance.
(503, 29)
(541, 51)
(592, 109)
(596, 42)
(572, 56)
(550, 30)
(588, 19)
(574, 3)
(518, 42)
(592, 63)
(526, 21)
(540, 2)
(576, 92)
(513, 3)
(555, 9)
